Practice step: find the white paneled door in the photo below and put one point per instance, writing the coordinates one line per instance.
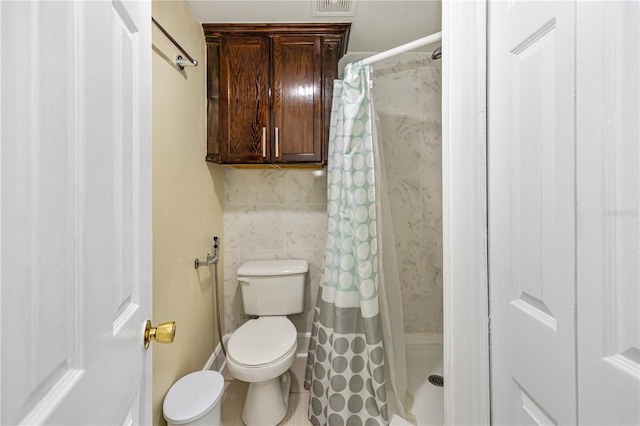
(75, 212)
(531, 212)
(608, 205)
(564, 235)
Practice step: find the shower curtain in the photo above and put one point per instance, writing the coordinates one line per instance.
(356, 353)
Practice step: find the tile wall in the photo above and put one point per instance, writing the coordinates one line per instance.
(282, 213)
(407, 97)
(273, 214)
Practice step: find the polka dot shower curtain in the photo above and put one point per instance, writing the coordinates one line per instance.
(356, 352)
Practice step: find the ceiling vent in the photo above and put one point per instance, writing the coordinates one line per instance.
(334, 7)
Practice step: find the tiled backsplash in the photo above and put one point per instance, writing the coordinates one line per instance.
(271, 214)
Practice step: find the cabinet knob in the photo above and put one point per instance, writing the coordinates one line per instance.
(277, 144)
(264, 142)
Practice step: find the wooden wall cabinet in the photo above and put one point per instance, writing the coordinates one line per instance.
(269, 90)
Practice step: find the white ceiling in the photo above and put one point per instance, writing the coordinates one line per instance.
(376, 26)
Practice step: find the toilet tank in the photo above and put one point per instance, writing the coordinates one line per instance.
(273, 287)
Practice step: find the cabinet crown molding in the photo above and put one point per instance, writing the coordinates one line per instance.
(338, 29)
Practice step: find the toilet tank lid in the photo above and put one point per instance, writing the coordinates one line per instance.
(273, 267)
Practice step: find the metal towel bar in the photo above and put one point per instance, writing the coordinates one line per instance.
(180, 61)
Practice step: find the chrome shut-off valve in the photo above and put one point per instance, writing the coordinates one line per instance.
(210, 259)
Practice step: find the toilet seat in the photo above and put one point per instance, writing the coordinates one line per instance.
(262, 342)
(292, 351)
(262, 349)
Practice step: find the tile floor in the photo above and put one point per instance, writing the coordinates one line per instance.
(421, 362)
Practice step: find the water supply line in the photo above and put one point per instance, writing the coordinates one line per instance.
(213, 260)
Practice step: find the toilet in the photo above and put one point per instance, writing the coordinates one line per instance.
(262, 350)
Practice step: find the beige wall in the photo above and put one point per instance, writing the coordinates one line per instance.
(187, 203)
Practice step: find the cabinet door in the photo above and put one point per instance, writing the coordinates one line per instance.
(297, 99)
(244, 112)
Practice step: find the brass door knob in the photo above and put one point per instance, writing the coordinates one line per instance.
(164, 333)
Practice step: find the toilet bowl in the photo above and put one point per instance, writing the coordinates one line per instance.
(261, 352)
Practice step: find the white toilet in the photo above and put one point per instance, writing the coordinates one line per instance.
(262, 350)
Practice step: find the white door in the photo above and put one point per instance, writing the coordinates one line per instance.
(564, 250)
(531, 193)
(608, 208)
(75, 206)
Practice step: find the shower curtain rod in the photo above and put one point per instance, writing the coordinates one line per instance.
(402, 48)
(180, 62)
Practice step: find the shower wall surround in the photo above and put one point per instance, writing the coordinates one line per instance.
(273, 214)
(407, 97)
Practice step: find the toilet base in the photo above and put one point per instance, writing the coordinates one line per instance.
(267, 402)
